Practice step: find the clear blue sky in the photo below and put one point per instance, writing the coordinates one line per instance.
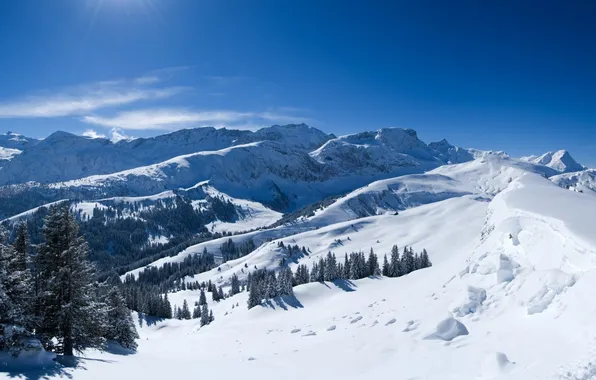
(518, 76)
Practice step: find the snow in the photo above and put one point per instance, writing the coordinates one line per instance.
(448, 329)
(560, 161)
(509, 296)
(8, 153)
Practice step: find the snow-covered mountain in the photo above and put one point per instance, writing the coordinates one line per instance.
(510, 277)
(63, 156)
(583, 181)
(279, 169)
(513, 251)
(560, 161)
(13, 140)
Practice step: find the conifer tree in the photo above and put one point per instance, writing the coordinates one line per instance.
(373, 263)
(119, 324)
(235, 284)
(385, 270)
(204, 315)
(395, 269)
(185, 311)
(254, 295)
(71, 313)
(202, 298)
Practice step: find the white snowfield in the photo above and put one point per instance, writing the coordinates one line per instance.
(509, 296)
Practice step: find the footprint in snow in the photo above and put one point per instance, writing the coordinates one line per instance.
(356, 319)
(295, 331)
(390, 322)
(374, 323)
(331, 328)
(310, 333)
(251, 359)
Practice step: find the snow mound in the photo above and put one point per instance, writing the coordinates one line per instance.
(495, 365)
(475, 298)
(448, 329)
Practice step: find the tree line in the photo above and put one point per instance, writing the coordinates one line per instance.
(264, 284)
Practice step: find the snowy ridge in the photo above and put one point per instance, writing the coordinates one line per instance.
(582, 181)
(64, 156)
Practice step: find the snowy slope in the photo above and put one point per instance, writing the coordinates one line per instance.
(13, 140)
(584, 181)
(517, 273)
(8, 153)
(560, 161)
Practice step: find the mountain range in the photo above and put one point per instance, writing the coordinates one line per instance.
(510, 239)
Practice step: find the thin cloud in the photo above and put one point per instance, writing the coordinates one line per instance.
(172, 119)
(90, 133)
(86, 98)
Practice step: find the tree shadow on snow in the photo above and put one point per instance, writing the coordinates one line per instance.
(149, 320)
(115, 348)
(283, 302)
(345, 285)
(55, 370)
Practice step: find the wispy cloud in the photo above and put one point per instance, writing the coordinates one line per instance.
(86, 98)
(93, 134)
(171, 119)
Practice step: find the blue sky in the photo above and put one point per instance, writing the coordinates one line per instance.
(518, 76)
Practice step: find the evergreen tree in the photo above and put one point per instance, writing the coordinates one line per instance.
(202, 298)
(119, 324)
(166, 311)
(220, 294)
(373, 263)
(235, 284)
(407, 261)
(196, 313)
(330, 273)
(395, 264)
(385, 270)
(71, 313)
(424, 259)
(204, 316)
(185, 311)
(254, 295)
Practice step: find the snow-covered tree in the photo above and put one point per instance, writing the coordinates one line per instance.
(235, 284)
(71, 315)
(119, 324)
(185, 311)
(395, 269)
(202, 298)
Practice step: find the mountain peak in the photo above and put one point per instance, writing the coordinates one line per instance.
(559, 160)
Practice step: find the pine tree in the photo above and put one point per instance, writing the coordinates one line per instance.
(394, 266)
(167, 307)
(424, 259)
(185, 311)
(211, 317)
(17, 284)
(385, 270)
(196, 313)
(220, 294)
(407, 261)
(254, 295)
(235, 284)
(330, 272)
(202, 298)
(204, 315)
(119, 324)
(71, 312)
(373, 263)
